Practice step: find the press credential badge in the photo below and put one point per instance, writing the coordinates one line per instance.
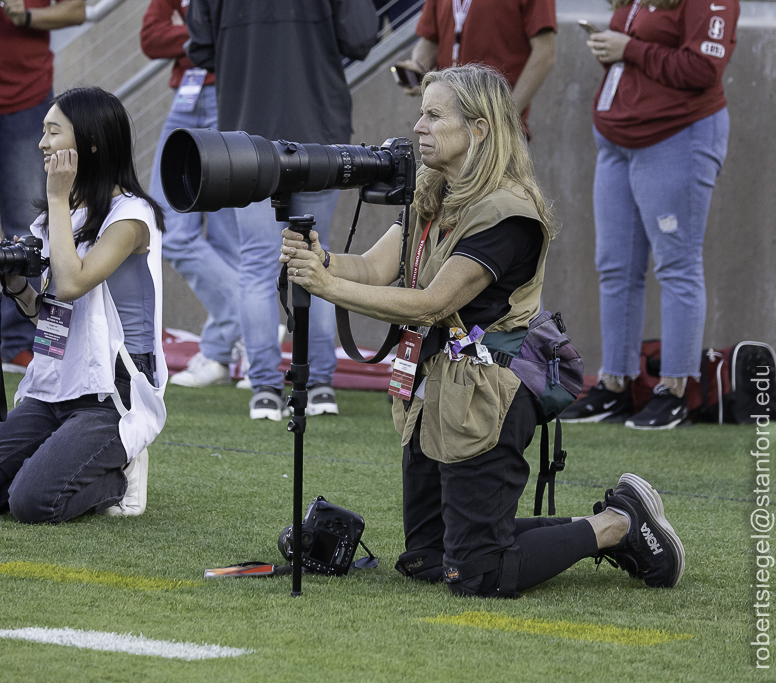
(53, 327)
(189, 89)
(406, 365)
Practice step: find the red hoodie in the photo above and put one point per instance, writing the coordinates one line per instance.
(673, 70)
(160, 38)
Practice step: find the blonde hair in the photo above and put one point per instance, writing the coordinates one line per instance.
(500, 160)
(659, 4)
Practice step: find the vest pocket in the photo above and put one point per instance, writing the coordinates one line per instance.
(464, 408)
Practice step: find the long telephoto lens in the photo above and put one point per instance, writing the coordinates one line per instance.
(206, 170)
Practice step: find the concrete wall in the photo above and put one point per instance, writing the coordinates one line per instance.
(740, 246)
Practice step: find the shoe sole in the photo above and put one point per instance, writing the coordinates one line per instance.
(646, 428)
(321, 408)
(580, 420)
(264, 414)
(179, 381)
(653, 504)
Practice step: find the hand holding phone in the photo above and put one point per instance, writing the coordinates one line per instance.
(590, 28)
(407, 76)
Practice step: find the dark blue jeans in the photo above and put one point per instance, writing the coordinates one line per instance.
(61, 460)
(22, 180)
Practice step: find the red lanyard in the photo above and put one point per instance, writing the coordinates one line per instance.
(421, 244)
(416, 265)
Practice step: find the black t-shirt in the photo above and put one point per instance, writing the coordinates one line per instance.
(510, 250)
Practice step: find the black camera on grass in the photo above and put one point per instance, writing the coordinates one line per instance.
(205, 170)
(330, 536)
(23, 257)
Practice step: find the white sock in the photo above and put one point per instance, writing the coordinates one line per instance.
(624, 514)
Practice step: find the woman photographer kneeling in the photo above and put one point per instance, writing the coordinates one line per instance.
(70, 447)
(480, 230)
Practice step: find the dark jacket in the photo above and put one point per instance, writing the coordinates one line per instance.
(279, 64)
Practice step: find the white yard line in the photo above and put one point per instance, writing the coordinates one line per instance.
(116, 642)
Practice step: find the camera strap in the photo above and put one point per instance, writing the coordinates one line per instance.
(343, 316)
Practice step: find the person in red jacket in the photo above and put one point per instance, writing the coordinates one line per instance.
(209, 264)
(515, 37)
(661, 126)
(26, 77)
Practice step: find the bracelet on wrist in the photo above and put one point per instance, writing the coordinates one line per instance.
(27, 18)
(326, 259)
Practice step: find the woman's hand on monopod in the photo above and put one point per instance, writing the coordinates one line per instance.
(305, 263)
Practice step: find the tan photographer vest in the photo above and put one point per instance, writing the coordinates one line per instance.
(464, 404)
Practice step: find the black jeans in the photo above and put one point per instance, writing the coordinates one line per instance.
(60, 460)
(462, 511)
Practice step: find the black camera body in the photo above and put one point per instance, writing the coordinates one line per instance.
(330, 535)
(23, 257)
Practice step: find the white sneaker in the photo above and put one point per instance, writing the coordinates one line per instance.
(202, 372)
(268, 403)
(245, 383)
(133, 504)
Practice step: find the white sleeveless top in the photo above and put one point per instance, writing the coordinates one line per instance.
(96, 335)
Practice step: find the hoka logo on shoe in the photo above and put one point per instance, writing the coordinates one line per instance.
(649, 537)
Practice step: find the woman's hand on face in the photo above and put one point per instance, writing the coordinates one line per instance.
(62, 167)
(608, 46)
(305, 264)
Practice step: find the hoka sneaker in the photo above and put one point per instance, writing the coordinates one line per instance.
(664, 411)
(651, 550)
(268, 403)
(600, 405)
(202, 372)
(320, 400)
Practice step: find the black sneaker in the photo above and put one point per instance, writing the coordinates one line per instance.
(651, 550)
(600, 405)
(664, 411)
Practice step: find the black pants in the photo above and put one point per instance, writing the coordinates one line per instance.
(461, 511)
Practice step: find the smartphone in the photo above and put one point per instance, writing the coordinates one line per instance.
(406, 77)
(590, 28)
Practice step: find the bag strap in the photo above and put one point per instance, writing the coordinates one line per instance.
(129, 364)
(547, 469)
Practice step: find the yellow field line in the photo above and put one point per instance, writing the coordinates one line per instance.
(561, 629)
(54, 572)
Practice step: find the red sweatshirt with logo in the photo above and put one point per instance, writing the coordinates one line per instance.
(673, 70)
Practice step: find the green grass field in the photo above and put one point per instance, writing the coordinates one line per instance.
(220, 491)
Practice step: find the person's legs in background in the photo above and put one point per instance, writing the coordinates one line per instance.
(22, 181)
(209, 263)
(622, 259)
(260, 241)
(673, 183)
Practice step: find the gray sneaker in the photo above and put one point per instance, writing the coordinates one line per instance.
(268, 403)
(321, 399)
